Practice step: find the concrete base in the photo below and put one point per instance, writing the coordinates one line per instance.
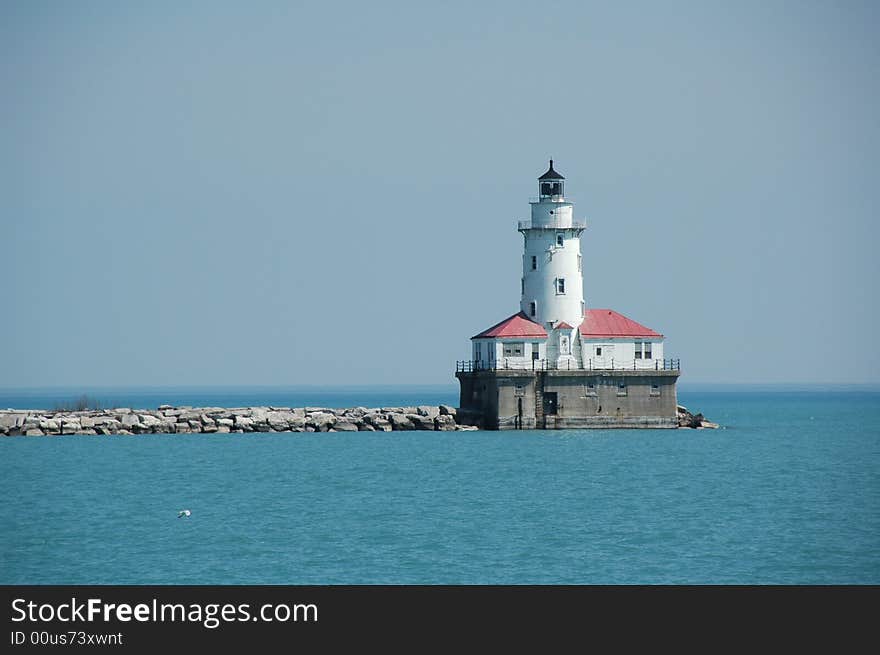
(525, 400)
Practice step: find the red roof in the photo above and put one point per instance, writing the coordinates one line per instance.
(563, 326)
(606, 323)
(518, 325)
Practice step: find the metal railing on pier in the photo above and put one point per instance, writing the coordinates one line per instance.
(519, 364)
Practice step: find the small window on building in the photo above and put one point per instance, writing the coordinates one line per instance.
(655, 389)
(583, 308)
(638, 349)
(514, 349)
(580, 263)
(560, 285)
(536, 350)
(598, 351)
(621, 388)
(590, 389)
(564, 345)
(533, 308)
(478, 351)
(647, 351)
(522, 285)
(560, 239)
(534, 263)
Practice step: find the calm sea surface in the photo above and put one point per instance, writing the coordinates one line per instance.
(788, 492)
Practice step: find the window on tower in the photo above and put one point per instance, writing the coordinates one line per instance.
(546, 188)
(533, 308)
(560, 285)
(560, 239)
(534, 263)
(580, 263)
(522, 285)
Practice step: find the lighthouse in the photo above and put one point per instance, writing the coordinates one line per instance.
(557, 363)
(552, 281)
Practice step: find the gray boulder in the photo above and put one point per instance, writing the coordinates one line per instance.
(446, 410)
(421, 422)
(428, 410)
(400, 422)
(444, 423)
(244, 423)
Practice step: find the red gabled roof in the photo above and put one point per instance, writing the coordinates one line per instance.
(563, 326)
(604, 323)
(518, 325)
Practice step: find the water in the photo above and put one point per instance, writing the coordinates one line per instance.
(787, 493)
(295, 396)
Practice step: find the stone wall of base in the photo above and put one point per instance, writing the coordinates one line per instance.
(511, 400)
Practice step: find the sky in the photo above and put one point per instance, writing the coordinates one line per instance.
(286, 193)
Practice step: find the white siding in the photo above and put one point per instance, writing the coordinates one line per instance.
(553, 263)
(621, 353)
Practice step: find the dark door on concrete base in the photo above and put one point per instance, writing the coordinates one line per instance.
(550, 402)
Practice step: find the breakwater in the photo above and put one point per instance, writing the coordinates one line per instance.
(168, 419)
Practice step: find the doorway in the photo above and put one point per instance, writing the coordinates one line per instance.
(550, 403)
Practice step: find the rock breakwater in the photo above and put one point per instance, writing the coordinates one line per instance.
(189, 420)
(686, 419)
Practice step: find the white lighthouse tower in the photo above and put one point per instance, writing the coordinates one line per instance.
(552, 282)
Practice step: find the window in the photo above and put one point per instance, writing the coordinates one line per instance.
(580, 263)
(560, 285)
(534, 263)
(598, 351)
(522, 285)
(514, 349)
(533, 308)
(621, 388)
(583, 308)
(536, 352)
(590, 389)
(564, 345)
(478, 351)
(638, 349)
(545, 189)
(647, 351)
(655, 389)
(560, 240)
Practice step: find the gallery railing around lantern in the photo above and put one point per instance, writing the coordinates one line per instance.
(555, 224)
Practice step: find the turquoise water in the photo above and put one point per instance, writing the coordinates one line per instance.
(787, 493)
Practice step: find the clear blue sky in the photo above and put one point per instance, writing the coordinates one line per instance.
(327, 193)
